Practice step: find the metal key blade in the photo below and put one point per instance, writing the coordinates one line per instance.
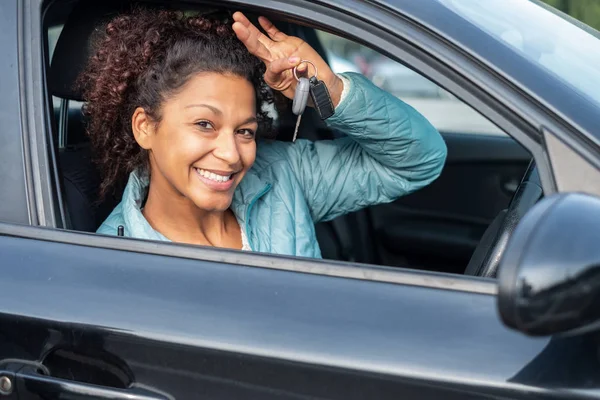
(297, 127)
(300, 100)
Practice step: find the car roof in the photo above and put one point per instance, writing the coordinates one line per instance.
(538, 82)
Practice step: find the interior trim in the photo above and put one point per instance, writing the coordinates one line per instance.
(400, 276)
(463, 148)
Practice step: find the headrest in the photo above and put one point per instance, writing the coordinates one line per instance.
(73, 46)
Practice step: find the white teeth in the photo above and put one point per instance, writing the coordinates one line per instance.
(213, 176)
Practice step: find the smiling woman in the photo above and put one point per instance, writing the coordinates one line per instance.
(193, 160)
(146, 122)
(176, 105)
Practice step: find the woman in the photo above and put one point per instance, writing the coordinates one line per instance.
(175, 105)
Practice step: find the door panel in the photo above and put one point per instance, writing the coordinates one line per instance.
(438, 227)
(194, 329)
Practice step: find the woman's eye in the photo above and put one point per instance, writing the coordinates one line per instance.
(205, 125)
(249, 133)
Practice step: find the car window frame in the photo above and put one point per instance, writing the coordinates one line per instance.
(402, 45)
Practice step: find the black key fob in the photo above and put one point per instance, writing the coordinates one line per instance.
(321, 98)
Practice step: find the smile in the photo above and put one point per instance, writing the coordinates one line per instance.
(218, 182)
(212, 176)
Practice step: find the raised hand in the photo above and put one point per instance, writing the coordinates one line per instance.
(281, 53)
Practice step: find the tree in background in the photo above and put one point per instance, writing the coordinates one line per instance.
(587, 11)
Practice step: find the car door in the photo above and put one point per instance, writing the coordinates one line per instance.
(112, 318)
(438, 227)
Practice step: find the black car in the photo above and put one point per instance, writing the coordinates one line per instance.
(481, 285)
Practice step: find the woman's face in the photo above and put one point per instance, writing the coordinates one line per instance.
(204, 143)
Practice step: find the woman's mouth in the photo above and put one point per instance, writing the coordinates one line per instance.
(219, 181)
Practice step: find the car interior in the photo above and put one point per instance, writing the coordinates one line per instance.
(437, 228)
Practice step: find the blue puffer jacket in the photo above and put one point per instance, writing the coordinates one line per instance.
(389, 151)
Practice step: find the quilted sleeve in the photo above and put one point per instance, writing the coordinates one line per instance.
(389, 150)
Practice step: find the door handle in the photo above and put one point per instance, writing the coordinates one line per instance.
(30, 385)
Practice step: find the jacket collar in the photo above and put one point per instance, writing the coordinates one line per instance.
(133, 198)
(248, 191)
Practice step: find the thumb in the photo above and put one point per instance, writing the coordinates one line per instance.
(277, 67)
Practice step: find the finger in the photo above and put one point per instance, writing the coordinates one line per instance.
(251, 42)
(302, 68)
(271, 29)
(254, 31)
(279, 66)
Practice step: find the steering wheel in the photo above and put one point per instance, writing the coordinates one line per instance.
(486, 257)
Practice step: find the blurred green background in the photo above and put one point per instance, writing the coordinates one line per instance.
(587, 11)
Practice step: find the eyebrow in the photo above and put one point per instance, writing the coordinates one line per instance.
(213, 109)
(220, 113)
(249, 120)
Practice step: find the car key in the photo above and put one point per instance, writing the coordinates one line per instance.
(300, 101)
(321, 98)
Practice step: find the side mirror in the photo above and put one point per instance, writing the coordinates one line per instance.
(549, 276)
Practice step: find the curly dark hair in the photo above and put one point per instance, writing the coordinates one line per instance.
(140, 59)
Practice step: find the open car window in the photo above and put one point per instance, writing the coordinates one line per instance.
(435, 229)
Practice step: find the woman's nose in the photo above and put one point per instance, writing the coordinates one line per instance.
(226, 148)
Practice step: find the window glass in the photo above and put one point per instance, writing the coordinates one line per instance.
(445, 111)
(569, 50)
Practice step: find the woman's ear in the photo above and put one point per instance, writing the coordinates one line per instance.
(143, 128)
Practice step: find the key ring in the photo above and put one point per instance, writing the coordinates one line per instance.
(308, 62)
